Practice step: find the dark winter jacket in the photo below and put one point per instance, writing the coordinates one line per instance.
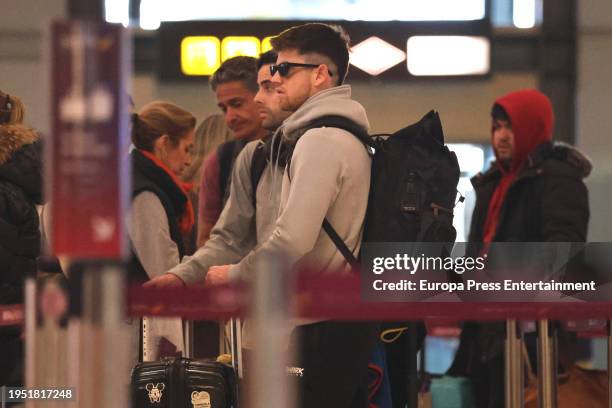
(20, 191)
(548, 200)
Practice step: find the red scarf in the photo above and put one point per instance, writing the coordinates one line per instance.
(490, 225)
(187, 220)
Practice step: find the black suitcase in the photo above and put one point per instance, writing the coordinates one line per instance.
(183, 383)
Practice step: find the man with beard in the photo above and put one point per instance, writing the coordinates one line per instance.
(248, 217)
(533, 192)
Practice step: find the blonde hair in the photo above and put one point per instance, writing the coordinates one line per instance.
(16, 107)
(210, 133)
(160, 118)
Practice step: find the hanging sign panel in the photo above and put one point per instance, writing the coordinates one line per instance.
(394, 50)
(87, 168)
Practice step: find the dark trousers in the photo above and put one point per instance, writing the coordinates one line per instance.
(480, 358)
(11, 359)
(334, 356)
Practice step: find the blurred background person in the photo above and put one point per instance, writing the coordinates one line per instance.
(211, 133)
(208, 136)
(12, 109)
(20, 193)
(163, 136)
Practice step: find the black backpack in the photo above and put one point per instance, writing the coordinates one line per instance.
(413, 185)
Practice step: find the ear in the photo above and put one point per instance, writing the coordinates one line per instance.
(161, 386)
(165, 140)
(322, 77)
(149, 387)
(161, 144)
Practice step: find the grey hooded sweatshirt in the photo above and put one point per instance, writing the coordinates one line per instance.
(328, 177)
(240, 227)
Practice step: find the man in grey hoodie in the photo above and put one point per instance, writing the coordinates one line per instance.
(241, 225)
(328, 178)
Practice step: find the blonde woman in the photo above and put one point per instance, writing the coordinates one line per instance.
(210, 133)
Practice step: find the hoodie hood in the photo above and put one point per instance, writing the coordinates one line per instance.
(531, 117)
(20, 160)
(333, 101)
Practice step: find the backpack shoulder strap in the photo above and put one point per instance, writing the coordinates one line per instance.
(340, 244)
(259, 161)
(224, 156)
(343, 123)
(339, 122)
(227, 153)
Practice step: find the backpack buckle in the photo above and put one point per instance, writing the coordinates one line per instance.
(437, 208)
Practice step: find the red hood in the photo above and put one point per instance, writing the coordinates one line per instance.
(531, 117)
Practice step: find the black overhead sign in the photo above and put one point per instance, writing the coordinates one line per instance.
(393, 50)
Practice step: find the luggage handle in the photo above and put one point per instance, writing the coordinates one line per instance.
(236, 346)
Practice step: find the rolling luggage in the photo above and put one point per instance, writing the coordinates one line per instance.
(187, 383)
(182, 382)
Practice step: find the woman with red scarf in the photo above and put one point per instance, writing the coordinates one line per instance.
(162, 134)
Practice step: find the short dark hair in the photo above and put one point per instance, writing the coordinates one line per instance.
(317, 38)
(499, 113)
(268, 57)
(241, 68)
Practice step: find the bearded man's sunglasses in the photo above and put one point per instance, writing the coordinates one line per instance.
(284, 67)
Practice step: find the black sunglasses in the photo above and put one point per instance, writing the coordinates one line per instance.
(283, 68)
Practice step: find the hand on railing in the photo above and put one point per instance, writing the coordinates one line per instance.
(167, 280)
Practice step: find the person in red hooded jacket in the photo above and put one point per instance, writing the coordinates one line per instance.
(533, 192)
